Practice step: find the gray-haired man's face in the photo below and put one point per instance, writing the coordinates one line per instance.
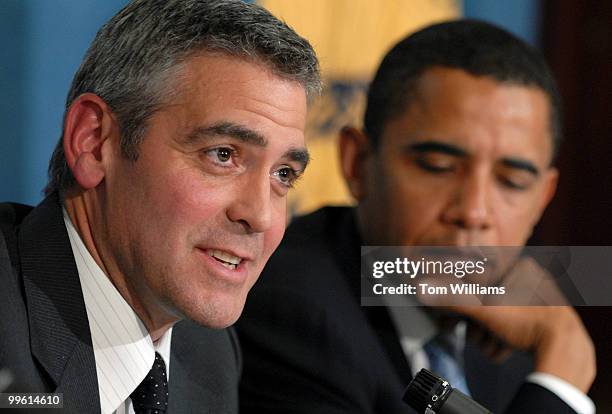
(192, 222)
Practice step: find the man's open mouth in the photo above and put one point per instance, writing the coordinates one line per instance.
(226, 259)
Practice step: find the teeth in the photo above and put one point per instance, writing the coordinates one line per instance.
(230, 261)
(229, 266)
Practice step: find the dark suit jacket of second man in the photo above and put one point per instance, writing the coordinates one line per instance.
(310, 347)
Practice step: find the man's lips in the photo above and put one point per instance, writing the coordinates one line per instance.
(227, 258)
(225, 267)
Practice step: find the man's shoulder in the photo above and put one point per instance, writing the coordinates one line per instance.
(312, 275)
(25, 229)
(320, 224)
(14, 326)
(311, 251)
(11, 217)
(13, 213)
(314, 237)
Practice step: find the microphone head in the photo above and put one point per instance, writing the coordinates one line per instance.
(426, 390)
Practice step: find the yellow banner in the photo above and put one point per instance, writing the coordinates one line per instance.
(350, 37)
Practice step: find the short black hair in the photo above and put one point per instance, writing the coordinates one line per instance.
(477, 47)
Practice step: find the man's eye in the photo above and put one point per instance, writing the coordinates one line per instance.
(514, 179)
(286, 175)
(514, 183)
(436, 164)
(221, 155)
(224, 154)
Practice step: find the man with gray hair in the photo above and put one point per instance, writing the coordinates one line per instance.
(183, 133)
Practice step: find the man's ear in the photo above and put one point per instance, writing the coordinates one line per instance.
(549, 187)
(354, 148)
(89, 123)
(551, 179)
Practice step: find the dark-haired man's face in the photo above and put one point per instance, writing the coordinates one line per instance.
(467, 163)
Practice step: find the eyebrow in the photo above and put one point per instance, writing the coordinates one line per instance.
(246, 135)
(226, 129)
(436, 146)
(521, 164)
(301, 156)
(449, 149)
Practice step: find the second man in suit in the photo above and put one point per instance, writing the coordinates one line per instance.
(460, 131)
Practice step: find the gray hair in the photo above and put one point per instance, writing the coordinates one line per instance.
(137, 53)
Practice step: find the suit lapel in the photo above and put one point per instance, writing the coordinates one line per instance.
(59, 329)
(348, 252)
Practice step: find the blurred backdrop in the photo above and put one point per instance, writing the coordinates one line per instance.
(43, 41)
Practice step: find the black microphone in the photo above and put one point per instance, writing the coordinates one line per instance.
(429, 394)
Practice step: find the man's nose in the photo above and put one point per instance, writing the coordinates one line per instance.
(470, 204)
(252, 206)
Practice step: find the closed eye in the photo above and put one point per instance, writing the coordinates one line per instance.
(436, 163)
(516, 175)
(520, 182)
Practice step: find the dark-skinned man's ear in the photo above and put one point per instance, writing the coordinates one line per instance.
(354, 149)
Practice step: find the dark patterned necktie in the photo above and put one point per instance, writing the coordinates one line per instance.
(151, 396)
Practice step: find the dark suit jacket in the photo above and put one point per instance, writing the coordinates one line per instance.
(309, 347)
(44, 332)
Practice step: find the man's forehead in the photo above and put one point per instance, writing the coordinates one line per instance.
(227, 79)
(215, 85)
(443, 88)
(477, 114)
